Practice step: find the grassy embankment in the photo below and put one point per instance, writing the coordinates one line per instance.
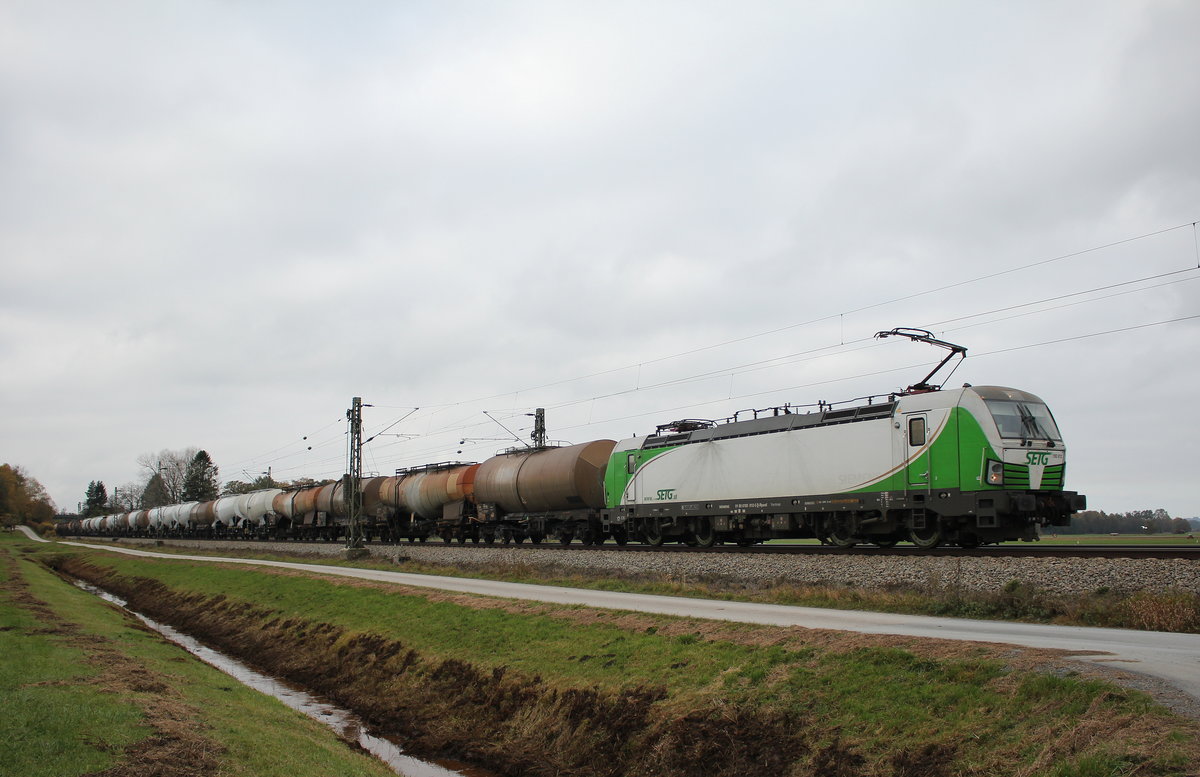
(87, 690)
(1169, 610)
(534, 689)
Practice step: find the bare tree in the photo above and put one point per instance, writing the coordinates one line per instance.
(171, 467)
(126, 498)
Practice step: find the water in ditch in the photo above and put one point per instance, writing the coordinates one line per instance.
(344, 722)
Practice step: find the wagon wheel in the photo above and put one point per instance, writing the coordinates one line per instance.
(489, 538)
(565, 536)
(703, 532)
(652, 533)
(886, 542)
(928, 538)
(536, 538)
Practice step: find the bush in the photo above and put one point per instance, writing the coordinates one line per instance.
(1162, 611)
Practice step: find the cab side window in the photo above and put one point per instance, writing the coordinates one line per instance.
(916, 431)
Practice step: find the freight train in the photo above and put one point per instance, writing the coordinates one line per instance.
(929, 466)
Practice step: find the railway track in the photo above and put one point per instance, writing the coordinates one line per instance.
(998, 551)
(1023, 550)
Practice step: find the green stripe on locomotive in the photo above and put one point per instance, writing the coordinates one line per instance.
(954, 459)
(621, 467)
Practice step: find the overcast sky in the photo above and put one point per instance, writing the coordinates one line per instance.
(219, 221)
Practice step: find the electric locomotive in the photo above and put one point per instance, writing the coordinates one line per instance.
(973, 465)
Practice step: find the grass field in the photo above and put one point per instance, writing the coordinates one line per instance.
(1168, 540)
(536, 689)
(87, 690)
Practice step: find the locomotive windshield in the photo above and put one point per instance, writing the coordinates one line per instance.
(1023, 420)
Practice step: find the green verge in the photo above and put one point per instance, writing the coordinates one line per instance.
(88, 690)
(541, 689)
(1168, 610)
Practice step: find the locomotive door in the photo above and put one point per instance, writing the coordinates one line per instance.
(919, 470)
(633, 489)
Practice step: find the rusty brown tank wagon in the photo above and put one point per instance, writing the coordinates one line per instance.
(544, 492)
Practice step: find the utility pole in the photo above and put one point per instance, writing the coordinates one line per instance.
(352, 482)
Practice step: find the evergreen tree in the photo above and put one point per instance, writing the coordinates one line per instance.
(200, 479)
(155, 494)
(95, 500)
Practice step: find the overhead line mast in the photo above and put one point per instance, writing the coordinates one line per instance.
(352, 482)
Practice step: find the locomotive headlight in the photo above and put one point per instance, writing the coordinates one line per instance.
(995, 473)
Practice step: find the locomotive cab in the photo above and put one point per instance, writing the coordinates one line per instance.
(1022, 471)
(1023, 445)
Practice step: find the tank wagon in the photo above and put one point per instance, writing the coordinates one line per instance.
(966, 466)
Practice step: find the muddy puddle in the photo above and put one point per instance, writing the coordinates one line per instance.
(345, 723)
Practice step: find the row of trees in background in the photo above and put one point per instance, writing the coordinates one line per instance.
(1134, 522)
(170, 477)
(22, 498)
(174, 477)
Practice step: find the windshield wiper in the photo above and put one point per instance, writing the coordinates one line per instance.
(1029, 422)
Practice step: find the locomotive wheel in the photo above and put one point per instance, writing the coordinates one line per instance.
(652, 533)
(968, 539)
(620, 535)
(840, 537)
(928, 538)
(704, 533)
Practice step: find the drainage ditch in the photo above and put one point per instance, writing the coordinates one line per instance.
(345, 724)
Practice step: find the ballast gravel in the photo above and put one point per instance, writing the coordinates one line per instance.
(1057, 575)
